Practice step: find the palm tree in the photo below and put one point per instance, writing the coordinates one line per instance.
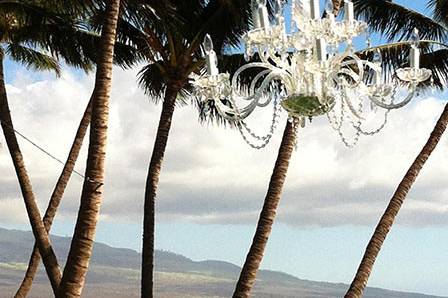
(25, 26)
(385, 224)
(125, 56)
(78, 259)
(55, 200)
(42, 239)
(266, 219)
(172, 49)
(396, 21)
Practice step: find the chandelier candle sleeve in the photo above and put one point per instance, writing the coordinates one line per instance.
(415, 57)
(263, 16)
(255, 15)
(315, 9)
(414, 54)
(321, 49)
(378, 60)
(349, 11)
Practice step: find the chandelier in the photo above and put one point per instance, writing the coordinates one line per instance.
(310, 71)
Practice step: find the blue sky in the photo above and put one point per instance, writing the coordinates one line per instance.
(332, 201)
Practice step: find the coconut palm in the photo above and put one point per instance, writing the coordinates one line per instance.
(396, 22)
(55, 200)
(42, 239)
(28, 30)
(173, 52)
(75, 270)
(266, 219)
(125, 56)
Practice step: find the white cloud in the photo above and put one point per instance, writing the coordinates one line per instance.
(210, 175)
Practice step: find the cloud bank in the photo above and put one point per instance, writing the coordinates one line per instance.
(210, 175)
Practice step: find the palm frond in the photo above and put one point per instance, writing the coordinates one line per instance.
(152, 78)
(396, 55)
(397, 22)
(231, 63)
(32, 59)
(440, 10)
(437, 62)
(226, 21)
(208, 113)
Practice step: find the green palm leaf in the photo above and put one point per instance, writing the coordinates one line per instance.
(396, 55)
(32, 58)
(398, 22)
(440, 10)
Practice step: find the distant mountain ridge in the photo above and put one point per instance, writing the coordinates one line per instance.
(120, 268)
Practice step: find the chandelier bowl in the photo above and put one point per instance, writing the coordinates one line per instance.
(303, 105)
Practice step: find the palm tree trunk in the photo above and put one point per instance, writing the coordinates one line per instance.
(55, 200)
(81, 247)
(249, 271)
(39, 231)
(373, 248)
(152, 182)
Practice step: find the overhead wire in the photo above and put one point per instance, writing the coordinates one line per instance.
(46, 152)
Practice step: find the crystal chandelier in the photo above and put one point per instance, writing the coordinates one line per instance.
(311, 71)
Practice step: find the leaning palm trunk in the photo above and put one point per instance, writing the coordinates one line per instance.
(81, 247)
(254, 257)
(267, 216)
(55, 200)
(373, 248)
(39, 231)
(152, 182)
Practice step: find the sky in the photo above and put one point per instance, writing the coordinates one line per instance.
(213, 185)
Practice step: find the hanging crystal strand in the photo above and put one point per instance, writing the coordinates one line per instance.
(253, 143)
(356, 125)
(354, 141)
(373, 132)
(246, 131)
(332, 118)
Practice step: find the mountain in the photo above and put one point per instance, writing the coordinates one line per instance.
(115, 273)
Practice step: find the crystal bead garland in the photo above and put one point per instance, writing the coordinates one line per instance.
(311, 71)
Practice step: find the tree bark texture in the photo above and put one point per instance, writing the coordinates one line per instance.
(37, 226)
(55, 200)
(152, 181)
(266, 220)
(75, 270)
(387, 220)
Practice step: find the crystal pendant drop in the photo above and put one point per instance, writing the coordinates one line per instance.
(208, 44)
(301, 12)
(415, 37)
(329, 8)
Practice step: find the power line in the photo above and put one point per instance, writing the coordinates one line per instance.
(41, 148)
